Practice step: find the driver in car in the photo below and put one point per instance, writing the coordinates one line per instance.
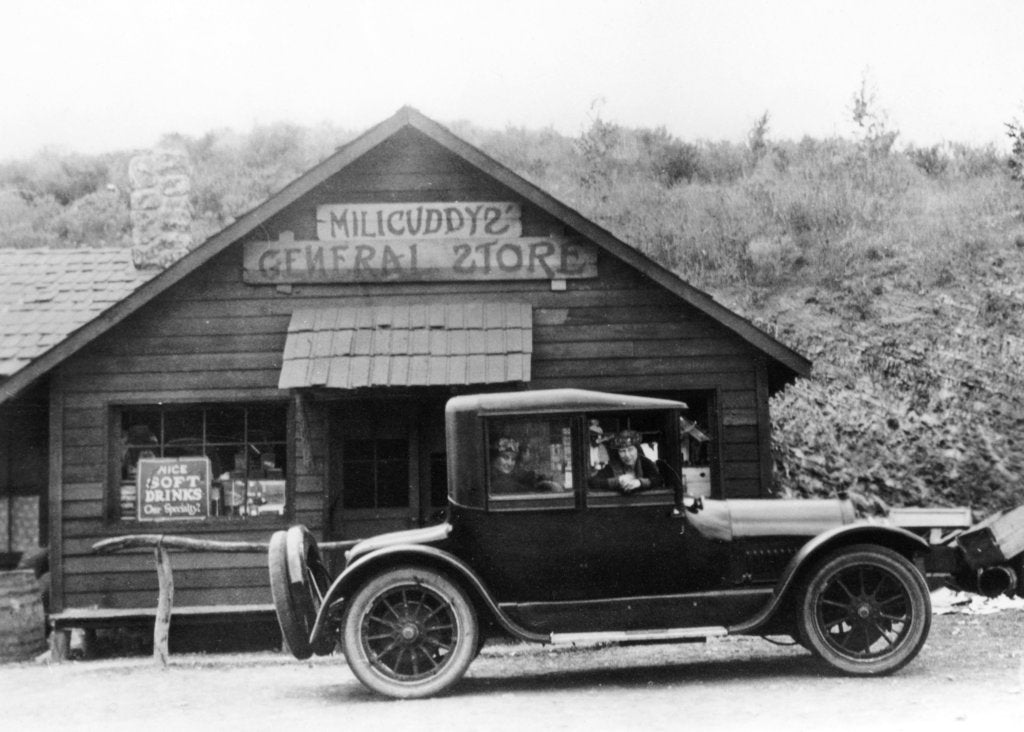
(627, 470)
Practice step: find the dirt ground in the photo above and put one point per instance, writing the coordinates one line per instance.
(970, 676)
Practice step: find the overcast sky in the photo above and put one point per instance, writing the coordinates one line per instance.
(98, 75)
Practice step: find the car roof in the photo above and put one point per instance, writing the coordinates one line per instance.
(554, 400)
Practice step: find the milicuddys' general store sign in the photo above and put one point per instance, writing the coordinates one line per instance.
(173, 488)
(408, 242)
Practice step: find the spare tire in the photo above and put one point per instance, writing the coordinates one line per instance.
(309, 581)
(292, 628)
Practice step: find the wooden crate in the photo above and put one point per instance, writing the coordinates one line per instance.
(995, 540)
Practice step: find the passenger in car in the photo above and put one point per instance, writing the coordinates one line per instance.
(627, 470)
(507, 475)
(598, 452)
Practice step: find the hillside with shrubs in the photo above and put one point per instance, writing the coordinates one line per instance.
(898, 270)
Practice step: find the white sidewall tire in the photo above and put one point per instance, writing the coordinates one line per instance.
(455, 664)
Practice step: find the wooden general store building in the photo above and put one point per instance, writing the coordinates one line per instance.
(307, 352)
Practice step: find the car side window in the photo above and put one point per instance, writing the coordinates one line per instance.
(530, 461)
(624, 451)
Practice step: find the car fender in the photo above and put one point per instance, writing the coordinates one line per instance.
(893, 537)
(353, 576)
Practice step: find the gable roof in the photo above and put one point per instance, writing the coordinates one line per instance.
(47, 294)
(783, 363)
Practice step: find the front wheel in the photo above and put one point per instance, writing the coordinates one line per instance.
(410, 632)
(865, 610)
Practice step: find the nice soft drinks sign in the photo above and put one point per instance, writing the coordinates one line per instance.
(174, 488)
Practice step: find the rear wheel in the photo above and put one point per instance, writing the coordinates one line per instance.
(865, 610)
(410, 632)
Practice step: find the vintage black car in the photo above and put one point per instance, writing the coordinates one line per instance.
(547, 540)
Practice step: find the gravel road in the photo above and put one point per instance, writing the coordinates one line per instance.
(970, 676)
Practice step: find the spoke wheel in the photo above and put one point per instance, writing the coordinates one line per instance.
(410, 632)
(865, 610)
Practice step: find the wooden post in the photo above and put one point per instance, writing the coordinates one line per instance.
(165, 600)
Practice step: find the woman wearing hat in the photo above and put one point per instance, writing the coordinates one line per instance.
(627, 470)
(509, 476)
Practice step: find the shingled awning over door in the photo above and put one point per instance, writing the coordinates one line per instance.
(420, 344)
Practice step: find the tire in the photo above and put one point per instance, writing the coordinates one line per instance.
(865, 610)
(289, 617)
(297, 599)
(409, 633)
(310, 586)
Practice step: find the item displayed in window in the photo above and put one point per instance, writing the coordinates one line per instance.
(245, 444)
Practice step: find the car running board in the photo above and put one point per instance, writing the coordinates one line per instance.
(618, 636)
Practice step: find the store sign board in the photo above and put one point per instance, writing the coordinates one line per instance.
(173, 488)
(289, 260)
(418, 221)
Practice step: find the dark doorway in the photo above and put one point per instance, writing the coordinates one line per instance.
(386, 465)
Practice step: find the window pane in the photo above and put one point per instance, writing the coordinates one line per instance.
(624, 448)
(358, 478)
(532, 455)
(268, 424)
(183, 426)
(225, 424)
(392, 473)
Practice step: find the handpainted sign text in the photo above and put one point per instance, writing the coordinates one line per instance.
(418, 221)
(173, 488)
(399, 260)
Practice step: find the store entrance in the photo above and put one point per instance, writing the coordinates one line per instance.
(386, 465)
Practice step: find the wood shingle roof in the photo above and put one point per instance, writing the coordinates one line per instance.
(47, 294)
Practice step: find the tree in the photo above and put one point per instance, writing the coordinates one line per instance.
(1015, 131)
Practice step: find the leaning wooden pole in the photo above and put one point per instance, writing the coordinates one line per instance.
(164, 603)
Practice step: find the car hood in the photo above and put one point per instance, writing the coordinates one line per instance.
(426, 535)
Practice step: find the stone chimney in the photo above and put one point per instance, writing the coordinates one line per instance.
(161, 212)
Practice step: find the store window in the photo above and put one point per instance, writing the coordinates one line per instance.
(531, 462)
(246, 446)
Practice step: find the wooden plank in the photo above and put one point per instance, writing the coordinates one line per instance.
(764, 436)
(93, 491)
(55, 489)
(205, 393)
(91, 454)
(627, 368)
(141, 562)
(741, 489)
(219, 577)
(231, 595)
(180, 362)
(638, 382)
(84, 418)
(257, 529)
(83, 509)
(86, 436)
(139, 383)
(69, 617)
(194, 344)
(739, 417)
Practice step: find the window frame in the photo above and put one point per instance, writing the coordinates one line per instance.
(212, 522)
(534, 500)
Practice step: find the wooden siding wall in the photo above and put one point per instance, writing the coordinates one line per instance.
(213, 338)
